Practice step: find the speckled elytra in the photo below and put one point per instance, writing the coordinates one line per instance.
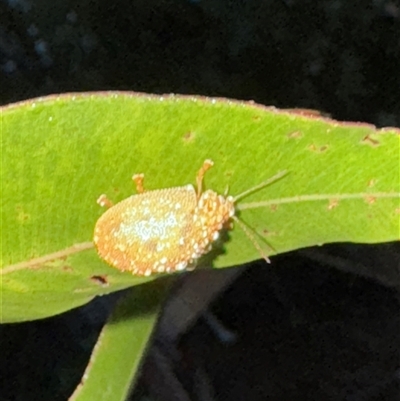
(165, 230)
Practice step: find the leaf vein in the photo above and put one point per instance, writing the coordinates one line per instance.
(318, 197)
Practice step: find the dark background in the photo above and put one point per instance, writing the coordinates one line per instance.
(304, 330)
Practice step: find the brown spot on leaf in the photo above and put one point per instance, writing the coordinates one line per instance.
(332, 204)
(369, 140)
(100, 280)
(22, 216)
(268, 233)
(188, 136)
(274, 207)
(318, 149)
(370, 199)
(294, 135)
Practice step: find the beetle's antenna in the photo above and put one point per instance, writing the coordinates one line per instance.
(226, 191)
(252, 238)
(276, 177)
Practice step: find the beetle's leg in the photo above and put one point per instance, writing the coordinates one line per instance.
(200, 175)
(104, 201)
(138, 180)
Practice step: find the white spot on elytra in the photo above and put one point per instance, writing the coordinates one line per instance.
(146, 230)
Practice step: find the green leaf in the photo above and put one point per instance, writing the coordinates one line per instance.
(120, 347)
(60, 153)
